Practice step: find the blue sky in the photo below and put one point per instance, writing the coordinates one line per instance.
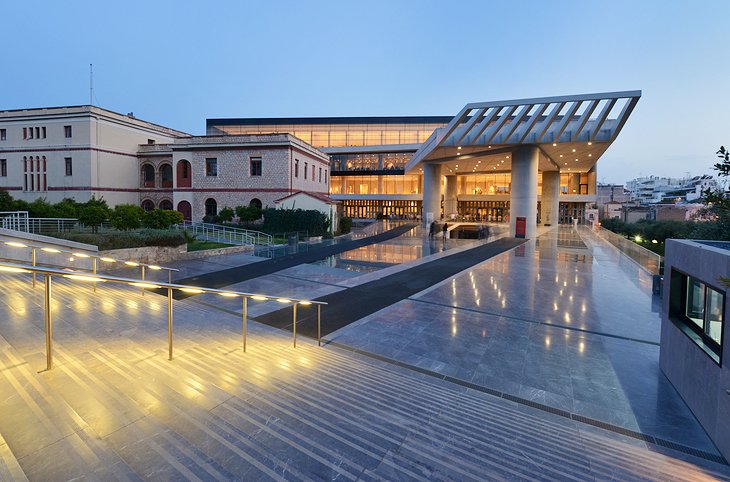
(176, 63)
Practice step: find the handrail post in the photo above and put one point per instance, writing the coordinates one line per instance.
(169, 323)
(294, 325)
(142, 279)
(319, 330)
(245, 317)
(94, 271)
(49, 323)
(33, 257)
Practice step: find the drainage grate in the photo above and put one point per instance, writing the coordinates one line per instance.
(541, 406)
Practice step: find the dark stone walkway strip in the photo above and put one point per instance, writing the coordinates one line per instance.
(537, 322)
(540, 406)
(227, 277)
(352, 304)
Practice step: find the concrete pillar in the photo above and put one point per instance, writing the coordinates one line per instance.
(431, 192)
(550, 202)
(592, 180)
(450, 197)
(523, 198)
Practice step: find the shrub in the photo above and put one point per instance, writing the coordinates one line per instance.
(161, 218)
(345, 225)
(127, 216)
(248, 213)
(283, 220)
(226, 214)
(6, 201)
(128, 239)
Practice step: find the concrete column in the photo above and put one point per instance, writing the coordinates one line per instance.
(523, 198)
(592, 180)
(450, 196)
(550, 203)
(431, 191)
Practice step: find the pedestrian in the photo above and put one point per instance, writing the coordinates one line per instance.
(444, 230)
(432, 229)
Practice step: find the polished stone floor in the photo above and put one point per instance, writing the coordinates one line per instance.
(563, 321)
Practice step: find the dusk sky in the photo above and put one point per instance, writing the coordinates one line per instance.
(177, 63)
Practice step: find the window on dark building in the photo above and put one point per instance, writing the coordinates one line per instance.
(211, 207)
(698, 309)
(255, 166)
(69, 166)
(211, 166)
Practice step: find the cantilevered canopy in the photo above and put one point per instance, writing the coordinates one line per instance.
(572, 132)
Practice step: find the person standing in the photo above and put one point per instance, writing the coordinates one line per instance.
(445, 230)
(432, 229)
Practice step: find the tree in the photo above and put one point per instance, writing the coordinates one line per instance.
(161, 218)
(226, 214)
(6, 201)
(127, 216)
(93, 216)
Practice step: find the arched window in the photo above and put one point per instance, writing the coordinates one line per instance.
(255, 202)
(148, 205)
(148, 175)
(166, 204)
(166, 175)
(211, 207)
(186, 210)
(184, 174)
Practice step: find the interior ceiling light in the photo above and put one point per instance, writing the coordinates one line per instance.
(554, 144)
(573, 150)
(459, 147)
(590, 155)
(590, 143)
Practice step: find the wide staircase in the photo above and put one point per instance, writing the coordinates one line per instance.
(115, 408)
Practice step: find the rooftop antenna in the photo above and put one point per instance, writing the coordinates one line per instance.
(91, 84)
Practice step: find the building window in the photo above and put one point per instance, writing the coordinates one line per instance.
(697, 309)
(320, 174)
(37, 132)
(3, 134)
(211, 167)
(296, 167)
(67, 131)
(211, 207)
(255, 166)
(325, 176)
(305, 170)
(35, 178)
(313, 171)
(3, 168)
(43, 131)
(69, 166)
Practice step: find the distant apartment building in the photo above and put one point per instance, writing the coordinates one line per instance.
(653, 189)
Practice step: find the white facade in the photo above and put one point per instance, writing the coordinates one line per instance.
(76, 152)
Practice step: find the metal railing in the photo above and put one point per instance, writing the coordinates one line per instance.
(49, 273)
(226, 234)
(648, 260)
(15, 220)
(94, 258)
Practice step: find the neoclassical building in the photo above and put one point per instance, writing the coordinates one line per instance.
(523, 162)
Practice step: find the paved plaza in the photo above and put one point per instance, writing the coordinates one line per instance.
(526, 366)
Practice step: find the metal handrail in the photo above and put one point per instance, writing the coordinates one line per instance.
(48, 274)
(228, 234)
(14, 220)
(95, 257)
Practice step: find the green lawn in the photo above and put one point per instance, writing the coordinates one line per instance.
(203, 245)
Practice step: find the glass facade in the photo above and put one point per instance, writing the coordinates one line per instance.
(341, 135)
(378, 208)
(370, 184)
(385, 161)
